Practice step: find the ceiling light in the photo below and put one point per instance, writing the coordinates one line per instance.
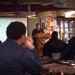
(68, 14)
(31, 15)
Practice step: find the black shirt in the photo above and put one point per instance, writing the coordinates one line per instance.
(35, 31)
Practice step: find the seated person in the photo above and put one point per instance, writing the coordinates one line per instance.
(70, 50)
(0, 43)
(54, 45)
(16, 59)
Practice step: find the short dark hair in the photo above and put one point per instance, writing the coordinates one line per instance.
(15, 30)
(54, 34)
(37, 24)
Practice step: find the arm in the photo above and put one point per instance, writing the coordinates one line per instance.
(33, 32)
(42, 31)
(68, 55)
(68, 47)
(31, 61)
(46, 50)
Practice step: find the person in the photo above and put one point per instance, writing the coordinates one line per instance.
(0, 42)
(54, 47)
(15, 59)
(70, 50)
(35, 31)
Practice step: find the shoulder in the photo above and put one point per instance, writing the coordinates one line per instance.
(41, 29)
(34, 29)
(61, 41)
(73, 38)
(23, 49)
(48, 42)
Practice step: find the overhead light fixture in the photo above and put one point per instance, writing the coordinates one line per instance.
(68, 14)
(31, 15)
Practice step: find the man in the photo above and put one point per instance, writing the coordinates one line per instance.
(70, 50)
(0, 43)
(16, 59)
(35, 31)
(54, 47)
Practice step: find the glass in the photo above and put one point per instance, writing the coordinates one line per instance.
(67, 30)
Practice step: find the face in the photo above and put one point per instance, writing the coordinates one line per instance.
(38, 26)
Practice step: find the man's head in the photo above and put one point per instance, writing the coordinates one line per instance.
(38, 26)
(16, 30)
(54, 34)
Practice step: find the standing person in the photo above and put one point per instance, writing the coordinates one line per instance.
(35, 31)
(54, 47)
(16, 59)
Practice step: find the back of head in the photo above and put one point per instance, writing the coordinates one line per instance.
(0, 42)
(15, 30)
(54, 35)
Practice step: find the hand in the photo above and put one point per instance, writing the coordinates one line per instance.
(30, 39)
(29, 43)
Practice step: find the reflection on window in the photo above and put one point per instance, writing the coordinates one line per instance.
(67, 30)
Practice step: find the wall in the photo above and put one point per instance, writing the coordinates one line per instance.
(47, 13)
(60, 13)
(31, 24)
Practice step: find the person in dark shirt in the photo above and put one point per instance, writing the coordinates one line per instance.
(16, 59)
(54, 45)
(0, 42)
(35, 31)
(70, 50)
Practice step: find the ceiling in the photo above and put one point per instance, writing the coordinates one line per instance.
(26, 7)
(56, 3)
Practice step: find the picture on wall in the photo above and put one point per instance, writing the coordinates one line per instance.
(48, 23)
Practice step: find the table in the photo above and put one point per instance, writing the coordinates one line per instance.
(62, 67)
(59, 67)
